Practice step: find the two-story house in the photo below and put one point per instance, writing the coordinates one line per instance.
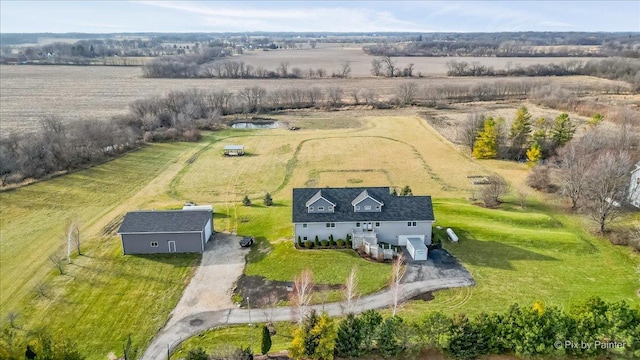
(368, 214)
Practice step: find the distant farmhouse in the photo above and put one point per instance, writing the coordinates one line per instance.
(634, 186)
(159, 232)
(369, 215)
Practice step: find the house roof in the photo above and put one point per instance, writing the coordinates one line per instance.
(363, 195)
(396, 208)
(317, 197)
(234, 147)
(164, 221)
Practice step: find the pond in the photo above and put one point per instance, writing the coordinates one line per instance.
(255, 125)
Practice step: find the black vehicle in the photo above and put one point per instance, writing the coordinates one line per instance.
(246, 241)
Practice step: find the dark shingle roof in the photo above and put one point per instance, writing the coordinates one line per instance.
(395, 208)
(164, 221)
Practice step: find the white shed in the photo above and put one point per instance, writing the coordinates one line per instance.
(234, 150)
(417, 249)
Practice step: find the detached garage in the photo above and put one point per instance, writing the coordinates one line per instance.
(160, 232)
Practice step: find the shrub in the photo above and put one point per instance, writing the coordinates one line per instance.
(308, 244)
(246, 201)
(331, 242)
(266, 340)
(324, 242)
(539, 179)
(317, 241)
(197, 354)
(268, 200)
(299, 241)
(340, 243)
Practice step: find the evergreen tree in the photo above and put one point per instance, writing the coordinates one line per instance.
(520, 132)
(314, 338)
(197, 354)
(268, 200)
(350, 337)
(371, 319)
(325, 332)
(406, 191)
(486, 145)
(389, 341)
(562, 130)
(394, 192)
(246, 201)
(266, 340)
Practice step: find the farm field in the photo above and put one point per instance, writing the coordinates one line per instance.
(29, 93)
(524, 255)
(331, 56)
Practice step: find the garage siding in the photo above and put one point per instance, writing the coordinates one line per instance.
(141, 243)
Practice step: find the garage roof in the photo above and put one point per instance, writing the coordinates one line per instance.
(136, 222)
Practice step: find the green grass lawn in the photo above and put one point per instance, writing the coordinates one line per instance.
(103, 296)
(528, 255)
(276, 258)
(238, 336)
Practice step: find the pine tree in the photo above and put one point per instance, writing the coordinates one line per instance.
(268, 200)
(486, 145)
(520, 132)
(266, 340)
(406, 191)
(562, 130)
(246, 201)
(350, 337)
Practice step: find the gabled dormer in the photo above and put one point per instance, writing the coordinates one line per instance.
(366, 203)
(320, 204)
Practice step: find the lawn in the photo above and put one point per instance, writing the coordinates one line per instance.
(523, 256)
(103, 296)
(238, 336)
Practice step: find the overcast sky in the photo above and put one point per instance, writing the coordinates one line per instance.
(316, 16)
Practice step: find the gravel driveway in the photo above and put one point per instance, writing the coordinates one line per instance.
(211, 286)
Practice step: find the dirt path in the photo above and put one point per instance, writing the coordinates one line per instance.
(211, 286)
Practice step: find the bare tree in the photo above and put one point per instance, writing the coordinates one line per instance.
(390, 66)
(12, 317)
(334, 96)
(522, 198)
(70, 231)
(606, 187)
(57, 261)
(356, 95)
(406, 93)
(283, 69)
(395, 283)
(345, 68)
(573, 164)
(350, 291)
(42, 290)
(494, 190)
(313, 43)
(376, 67)
(320, 72)
(470, 128)
(302, 292)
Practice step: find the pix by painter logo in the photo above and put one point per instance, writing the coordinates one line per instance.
(569, 344)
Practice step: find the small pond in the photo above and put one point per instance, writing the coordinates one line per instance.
(255, 125)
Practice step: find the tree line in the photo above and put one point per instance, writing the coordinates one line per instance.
(627, 70)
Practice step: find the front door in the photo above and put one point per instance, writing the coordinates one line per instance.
(172, 246)
(369, 227)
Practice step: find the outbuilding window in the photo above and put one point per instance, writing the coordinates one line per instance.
(154, 244)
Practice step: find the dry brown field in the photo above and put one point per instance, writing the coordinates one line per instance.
(28, 93)
(330, 58)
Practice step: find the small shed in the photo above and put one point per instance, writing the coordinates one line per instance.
(234, 150)
(160, 232)
(417, 249)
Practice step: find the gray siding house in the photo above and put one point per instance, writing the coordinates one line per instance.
(159, 232)
(370, 215)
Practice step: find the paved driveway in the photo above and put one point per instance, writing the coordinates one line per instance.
(440, 265)
(211, 286)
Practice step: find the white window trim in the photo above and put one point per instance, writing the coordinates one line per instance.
(330, 225)
(310, 208)
(357, 207)
(358, 224)
(320, 208)
(367, 207)
(377, 207)
(412, 224)
(154, 244)
(304, 238)
(304, 226)
(377, 224)
(330, 208)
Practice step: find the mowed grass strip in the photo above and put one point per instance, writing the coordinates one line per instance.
(537, 255)
(103, 296)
